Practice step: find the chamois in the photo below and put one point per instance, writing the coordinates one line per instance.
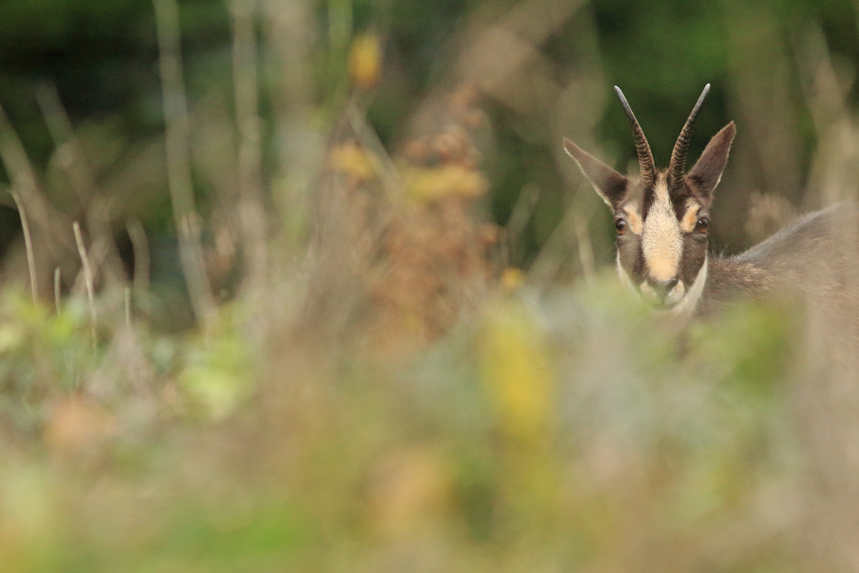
(662, 220)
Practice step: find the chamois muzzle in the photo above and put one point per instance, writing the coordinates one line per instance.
(662, 288)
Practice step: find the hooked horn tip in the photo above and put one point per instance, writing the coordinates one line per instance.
(703, 95)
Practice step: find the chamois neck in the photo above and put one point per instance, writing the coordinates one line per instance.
(729, 278)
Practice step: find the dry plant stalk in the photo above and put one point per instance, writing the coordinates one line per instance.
(437, 255)
(250, 209)
(178, 162)
(28, 244)
(88, 280)
(21, 173)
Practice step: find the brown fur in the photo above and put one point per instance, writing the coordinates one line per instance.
(814, 262)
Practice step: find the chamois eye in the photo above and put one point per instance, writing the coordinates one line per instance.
(620, 225)
(702, 225)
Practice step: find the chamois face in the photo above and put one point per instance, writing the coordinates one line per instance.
(662, 218)
(662, 243)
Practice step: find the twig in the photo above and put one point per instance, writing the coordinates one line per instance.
(90, 291)
(179, 164)
(28, 245)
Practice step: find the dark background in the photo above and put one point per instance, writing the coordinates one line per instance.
(762, 61)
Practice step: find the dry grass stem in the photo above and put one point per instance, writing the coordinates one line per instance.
(88, 280)
(583, 244)
(386, 170)
(518, 220)
(57, 293)
(140, 247)
(554, 252)
(179, 164)
(28, 244)
(127, 293)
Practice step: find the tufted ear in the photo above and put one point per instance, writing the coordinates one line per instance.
(610, 184)
(705, 176)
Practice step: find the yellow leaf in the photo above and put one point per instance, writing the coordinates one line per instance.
(351, 160)
(515, 369)
(365, 61)
(431, 183)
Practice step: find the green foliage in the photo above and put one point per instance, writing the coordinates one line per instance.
(218, 373)
(660, 440)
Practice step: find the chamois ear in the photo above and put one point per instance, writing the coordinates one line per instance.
(705, 176)
(610, 184)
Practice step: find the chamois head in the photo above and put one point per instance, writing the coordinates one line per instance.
(662, 217)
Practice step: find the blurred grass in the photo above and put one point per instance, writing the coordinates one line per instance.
(497, 450)
(391, 380)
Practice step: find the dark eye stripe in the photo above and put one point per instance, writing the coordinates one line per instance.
(638, 264)
(649, 197)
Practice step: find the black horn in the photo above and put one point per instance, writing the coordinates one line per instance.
(678, 156)
(645, 157)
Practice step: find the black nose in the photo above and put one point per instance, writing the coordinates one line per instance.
(662, 288)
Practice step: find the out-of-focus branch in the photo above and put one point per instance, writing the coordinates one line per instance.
(503, 59)
(73, 162)
(178, 161)
(28, 244)
(834, 169)
(47, 220)
(290, 26)
(251, 212)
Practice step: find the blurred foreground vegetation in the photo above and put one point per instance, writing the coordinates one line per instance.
(311, 287)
